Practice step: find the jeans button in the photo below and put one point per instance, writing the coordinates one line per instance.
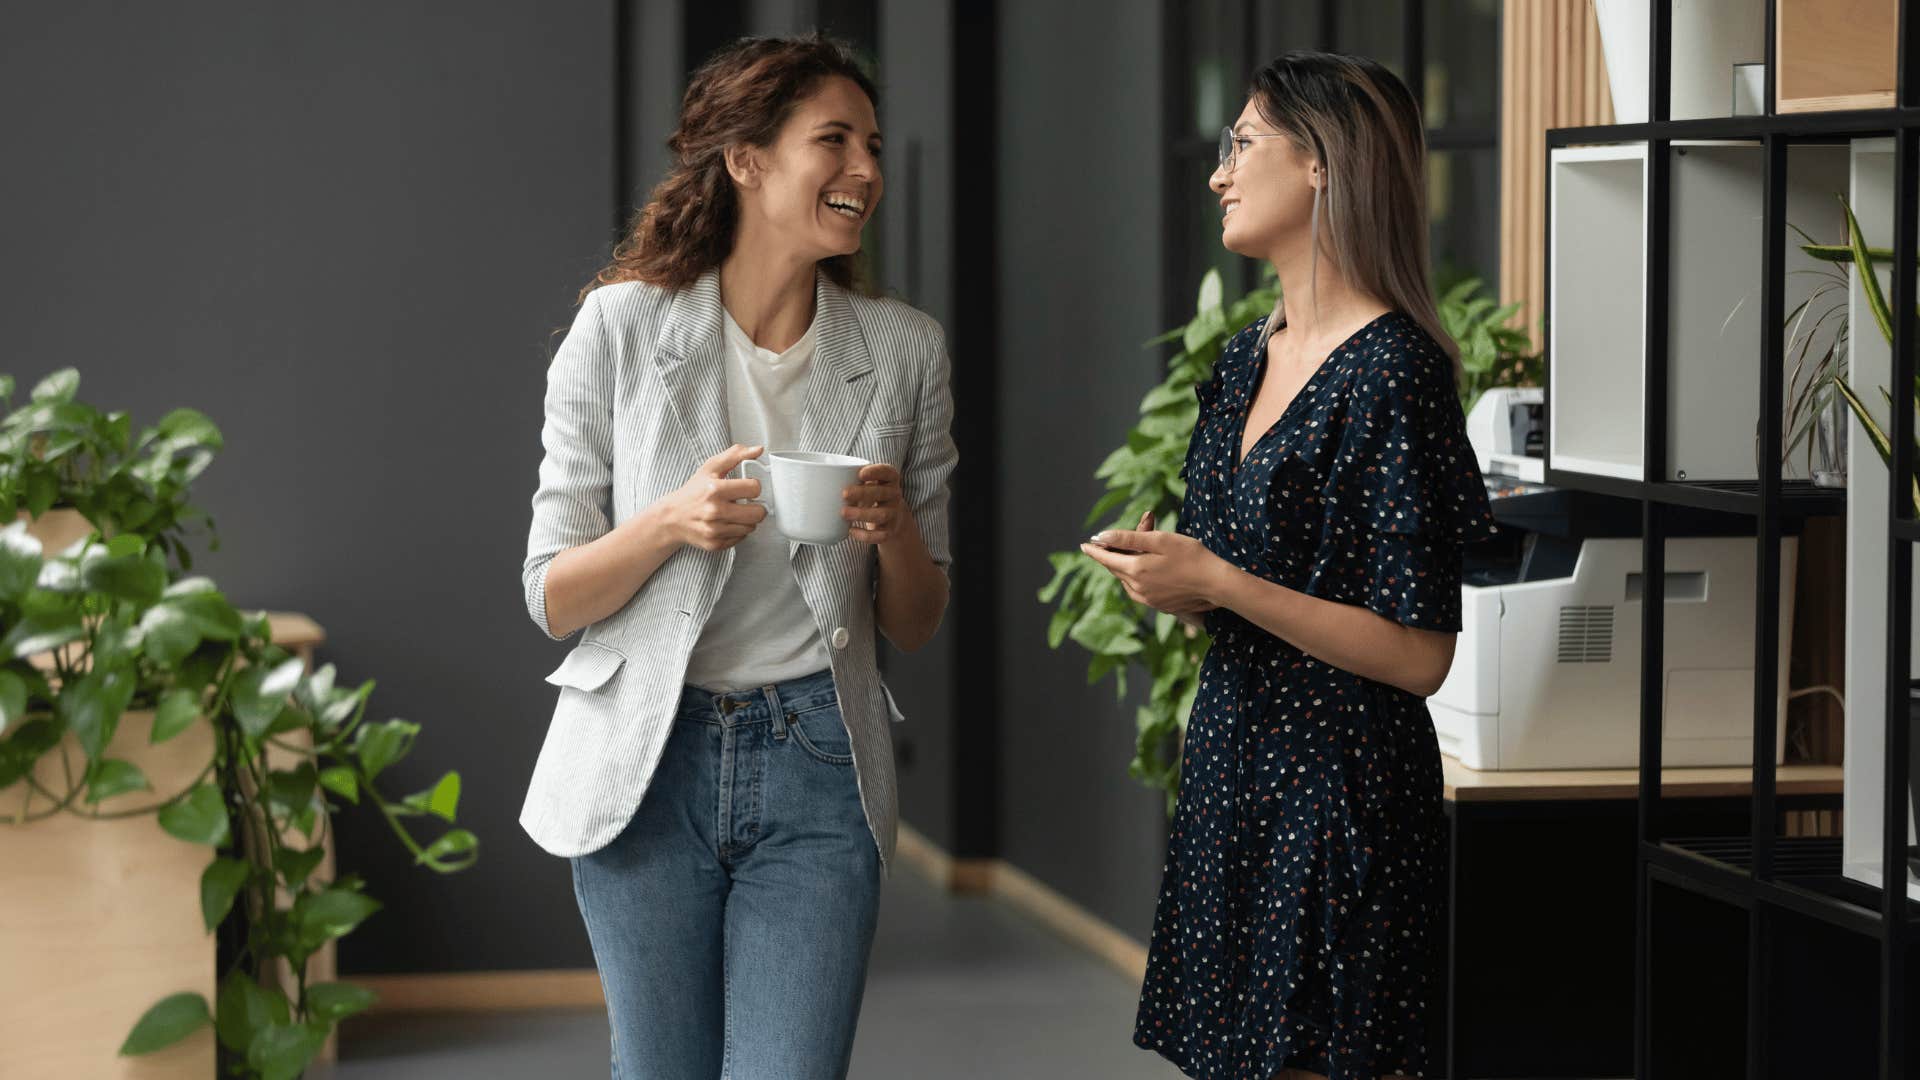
(839, 637)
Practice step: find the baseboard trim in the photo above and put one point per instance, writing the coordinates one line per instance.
(933, 863)
(500, 991)
(1027, 894)
(485, 991)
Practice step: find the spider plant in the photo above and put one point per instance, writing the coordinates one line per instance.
(1856, 252)
(1816, 353)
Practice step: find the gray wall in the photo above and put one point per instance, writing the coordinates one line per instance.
(345, 231)
(1079, 290)
(915, 240)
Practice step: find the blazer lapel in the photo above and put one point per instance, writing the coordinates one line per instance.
(841, 381)
(689, 357)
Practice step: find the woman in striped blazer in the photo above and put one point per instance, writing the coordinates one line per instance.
(719, 770)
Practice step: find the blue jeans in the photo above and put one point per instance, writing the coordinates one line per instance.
(732, 919)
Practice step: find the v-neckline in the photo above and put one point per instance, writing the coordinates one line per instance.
(1240, 449)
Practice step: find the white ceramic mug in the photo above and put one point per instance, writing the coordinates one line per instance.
(801, 491)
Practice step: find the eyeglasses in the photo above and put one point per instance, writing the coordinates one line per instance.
(1230, 145)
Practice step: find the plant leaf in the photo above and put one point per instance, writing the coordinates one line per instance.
(177, 711)
(21, 750)
(200, 818)
(261, 692)
(322, 916)
(1869, 278)
(452, 842)
(170, 1020)
(59, 386)
(220, 883)
(175, 626)
(13, 700)
(297, 865)
(441, 800)
(129, 577)
(42, 631)
(108, 777)
(335, 1001)
(283, 1051)
(339, 779)
(1211, 292)
(246, 1009)
(92, 705)
(19, 561)
(380, 745)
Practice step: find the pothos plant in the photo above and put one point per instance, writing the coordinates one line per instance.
(114, 630)
(1094, 611)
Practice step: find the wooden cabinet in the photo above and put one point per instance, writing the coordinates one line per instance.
(1835, 54)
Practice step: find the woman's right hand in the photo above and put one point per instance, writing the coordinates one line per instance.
(703, 511)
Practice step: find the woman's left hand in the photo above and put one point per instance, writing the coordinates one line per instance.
(1170, 572)
(876, 507)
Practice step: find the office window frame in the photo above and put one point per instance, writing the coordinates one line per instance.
(1187, 154)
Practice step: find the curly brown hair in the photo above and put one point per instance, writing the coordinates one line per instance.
(741, 96)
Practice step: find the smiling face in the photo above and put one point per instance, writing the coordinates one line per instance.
(816, 186)
(1266, 201)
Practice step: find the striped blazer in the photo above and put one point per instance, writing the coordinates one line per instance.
(636, 400)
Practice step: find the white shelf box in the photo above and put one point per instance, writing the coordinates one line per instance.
(1869, 365)
(1597, 288)
(1596, 356)
(1716, 329)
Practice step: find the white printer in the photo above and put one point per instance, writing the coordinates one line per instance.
(1546, 671)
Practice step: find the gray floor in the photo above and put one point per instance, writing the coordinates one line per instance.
(960, 987)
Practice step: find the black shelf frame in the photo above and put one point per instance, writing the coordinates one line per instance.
(1764, 874)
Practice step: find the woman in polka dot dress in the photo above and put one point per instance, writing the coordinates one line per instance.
(1330, 490)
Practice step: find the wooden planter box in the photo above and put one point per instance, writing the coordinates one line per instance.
(101, 919)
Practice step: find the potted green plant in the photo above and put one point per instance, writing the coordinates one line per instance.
(1091, 608)
(113, 630)
(1856, 252)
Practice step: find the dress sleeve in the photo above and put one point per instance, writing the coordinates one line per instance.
(1403, 493)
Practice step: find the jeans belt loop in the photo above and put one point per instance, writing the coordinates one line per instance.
(781, 717)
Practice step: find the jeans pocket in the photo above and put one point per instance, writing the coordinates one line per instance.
(822, 733)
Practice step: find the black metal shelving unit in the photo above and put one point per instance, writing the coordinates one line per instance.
(1764, 874)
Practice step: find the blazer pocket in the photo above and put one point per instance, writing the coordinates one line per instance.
(588, 667)
(887, 429)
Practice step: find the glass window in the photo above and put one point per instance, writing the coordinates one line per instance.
(1215, 44)
(1463, 63)
(1376, 29)
(1283, 27)
(1463, 202)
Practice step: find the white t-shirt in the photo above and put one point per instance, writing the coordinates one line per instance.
(761, 630)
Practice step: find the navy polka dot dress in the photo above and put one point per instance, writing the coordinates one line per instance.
(1302, 893)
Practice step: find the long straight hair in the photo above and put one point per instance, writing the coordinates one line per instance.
(1359, 121)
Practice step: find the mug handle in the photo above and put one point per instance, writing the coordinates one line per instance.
(766, 482)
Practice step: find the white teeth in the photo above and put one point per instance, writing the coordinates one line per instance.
(847, 205)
